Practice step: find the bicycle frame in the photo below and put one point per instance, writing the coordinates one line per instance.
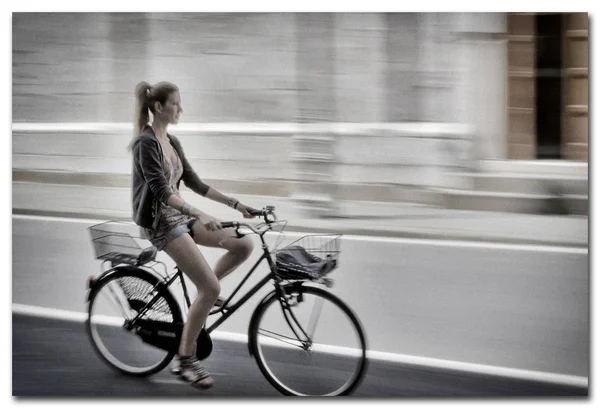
(229, 311)
(226, 311)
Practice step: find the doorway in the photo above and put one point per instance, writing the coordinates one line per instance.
(548, 83)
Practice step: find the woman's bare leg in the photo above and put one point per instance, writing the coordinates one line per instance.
(187, 256)
(238, 250)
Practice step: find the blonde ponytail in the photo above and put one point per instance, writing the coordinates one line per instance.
(145, 97)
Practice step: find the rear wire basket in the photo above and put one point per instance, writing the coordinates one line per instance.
(122, 243)
(308, 258)
(116, 242)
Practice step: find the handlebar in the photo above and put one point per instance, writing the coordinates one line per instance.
(268, 210)
(268, 213)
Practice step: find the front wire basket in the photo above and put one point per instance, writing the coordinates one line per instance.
(116, 242)
(308, 258)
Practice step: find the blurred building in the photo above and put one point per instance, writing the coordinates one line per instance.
(453, 109)
(548, 86)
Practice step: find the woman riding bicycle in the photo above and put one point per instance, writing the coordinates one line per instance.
(159, 165)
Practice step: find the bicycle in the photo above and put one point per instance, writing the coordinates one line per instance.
(135, 322)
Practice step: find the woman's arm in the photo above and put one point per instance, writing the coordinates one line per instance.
(193, 182)
(179, 204)
(209, 222)
(229, 201)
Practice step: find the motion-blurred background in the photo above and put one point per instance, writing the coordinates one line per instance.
(475, 111)
(451, 149)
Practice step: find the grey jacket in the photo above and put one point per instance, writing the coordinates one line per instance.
(150, 184)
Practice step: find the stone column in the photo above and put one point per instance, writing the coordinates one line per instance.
(313, 144)
(401, 57)
(437, 75)
(436, 69)
(482, 93)
(130, 59)
(106, 74)
(360, 66)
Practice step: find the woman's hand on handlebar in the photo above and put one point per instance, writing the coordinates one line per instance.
(245, 210)
(250, 212)
(210, 222)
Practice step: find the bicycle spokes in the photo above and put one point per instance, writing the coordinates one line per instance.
(293, 341)
(314, 317)
(133, 349)
(309, 344)
(115, 297)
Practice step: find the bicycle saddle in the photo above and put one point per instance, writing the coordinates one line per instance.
(147, 255)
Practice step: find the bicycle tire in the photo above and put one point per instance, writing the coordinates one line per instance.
(140, 276)
(273, 299)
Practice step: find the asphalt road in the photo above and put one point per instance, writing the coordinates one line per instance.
(517, 307)
(54, 358)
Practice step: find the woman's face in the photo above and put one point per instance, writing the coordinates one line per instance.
(172, 109)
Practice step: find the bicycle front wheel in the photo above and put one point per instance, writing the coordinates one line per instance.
(151, 344)
(308, 342)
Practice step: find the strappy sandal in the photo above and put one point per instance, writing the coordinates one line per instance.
(194, 373)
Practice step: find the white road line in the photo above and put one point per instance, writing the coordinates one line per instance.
(470, 244)
(180, 382)
(165, 381)
(520, 374)
(395, 240)
(39, 311)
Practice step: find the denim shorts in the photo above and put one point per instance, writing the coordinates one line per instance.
(161, 242)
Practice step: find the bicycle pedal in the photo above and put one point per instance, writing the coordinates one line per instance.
(218, 304)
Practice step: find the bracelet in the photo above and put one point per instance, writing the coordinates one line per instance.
(186, 209)
(233, 203)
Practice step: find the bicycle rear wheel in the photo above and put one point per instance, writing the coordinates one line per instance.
(152, 343)
(313, 347)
